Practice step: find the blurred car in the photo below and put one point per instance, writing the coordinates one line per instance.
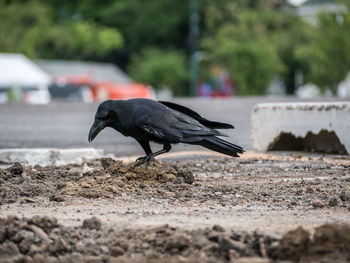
(104, 90)
(83, 88)
(71, 92)
(77, 88)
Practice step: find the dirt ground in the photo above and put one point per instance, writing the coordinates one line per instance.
(198, 209)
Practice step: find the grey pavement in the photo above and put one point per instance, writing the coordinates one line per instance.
(66, 125)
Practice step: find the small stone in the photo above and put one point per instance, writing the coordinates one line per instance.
(178, 180)
(177, 242)
(25, 235)
(187, 176)
(56, 198)
(292, 245)
(16, 169)
(23, 247)
(92, 223)
(122, 243)
(106, 162)
(104, 249)
(58, 246)
(318, 203)
(218, 228)
(79, 246)
(116, 251)
(86, 169)
(333, 201)
(344, 196)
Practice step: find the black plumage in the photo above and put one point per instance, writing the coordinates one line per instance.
(162, 122)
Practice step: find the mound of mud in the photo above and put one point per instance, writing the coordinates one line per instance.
(42, 239)
(156, 172)
(330, 243)
(102, 178)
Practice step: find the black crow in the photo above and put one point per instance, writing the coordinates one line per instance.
(162, 122)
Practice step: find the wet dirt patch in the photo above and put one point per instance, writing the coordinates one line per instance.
(42, 239)
(103, 178)
(286, 183)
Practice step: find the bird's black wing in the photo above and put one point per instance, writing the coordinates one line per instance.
(160, 131)
(167, 125)
(196, 116)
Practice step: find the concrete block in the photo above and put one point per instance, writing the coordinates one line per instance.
(311, 126)
(49, 156)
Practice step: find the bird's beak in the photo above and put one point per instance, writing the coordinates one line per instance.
(96, 127)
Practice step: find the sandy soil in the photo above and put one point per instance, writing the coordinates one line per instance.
(249, 204)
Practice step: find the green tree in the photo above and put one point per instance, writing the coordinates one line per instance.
(29, 27)
(161, 69)
(292, 34)
(241, 42)
(328, 54)
(161, 23)
(18, 20)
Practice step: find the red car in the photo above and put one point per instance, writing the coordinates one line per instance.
(104, 90)
(83, 88)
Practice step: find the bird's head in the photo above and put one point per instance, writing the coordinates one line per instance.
(105, 116)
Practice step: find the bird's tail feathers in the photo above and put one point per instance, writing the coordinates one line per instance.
(221, 146)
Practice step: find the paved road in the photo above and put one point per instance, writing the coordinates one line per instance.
(66, 125)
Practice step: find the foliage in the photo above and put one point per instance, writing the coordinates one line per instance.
(157, 23)
(294, 34)
(36, 35)
(17, 21)
(328, 54)
(242, 44)
(160, 69)
(161, 23)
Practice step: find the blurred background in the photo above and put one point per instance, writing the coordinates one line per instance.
(91, 50)
(75, 52)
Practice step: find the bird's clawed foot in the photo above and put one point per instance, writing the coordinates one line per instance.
(144, 159)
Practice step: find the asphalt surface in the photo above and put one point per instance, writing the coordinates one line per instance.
(66, 125)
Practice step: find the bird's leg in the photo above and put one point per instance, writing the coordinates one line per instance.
(146, 147)
(149, 157)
